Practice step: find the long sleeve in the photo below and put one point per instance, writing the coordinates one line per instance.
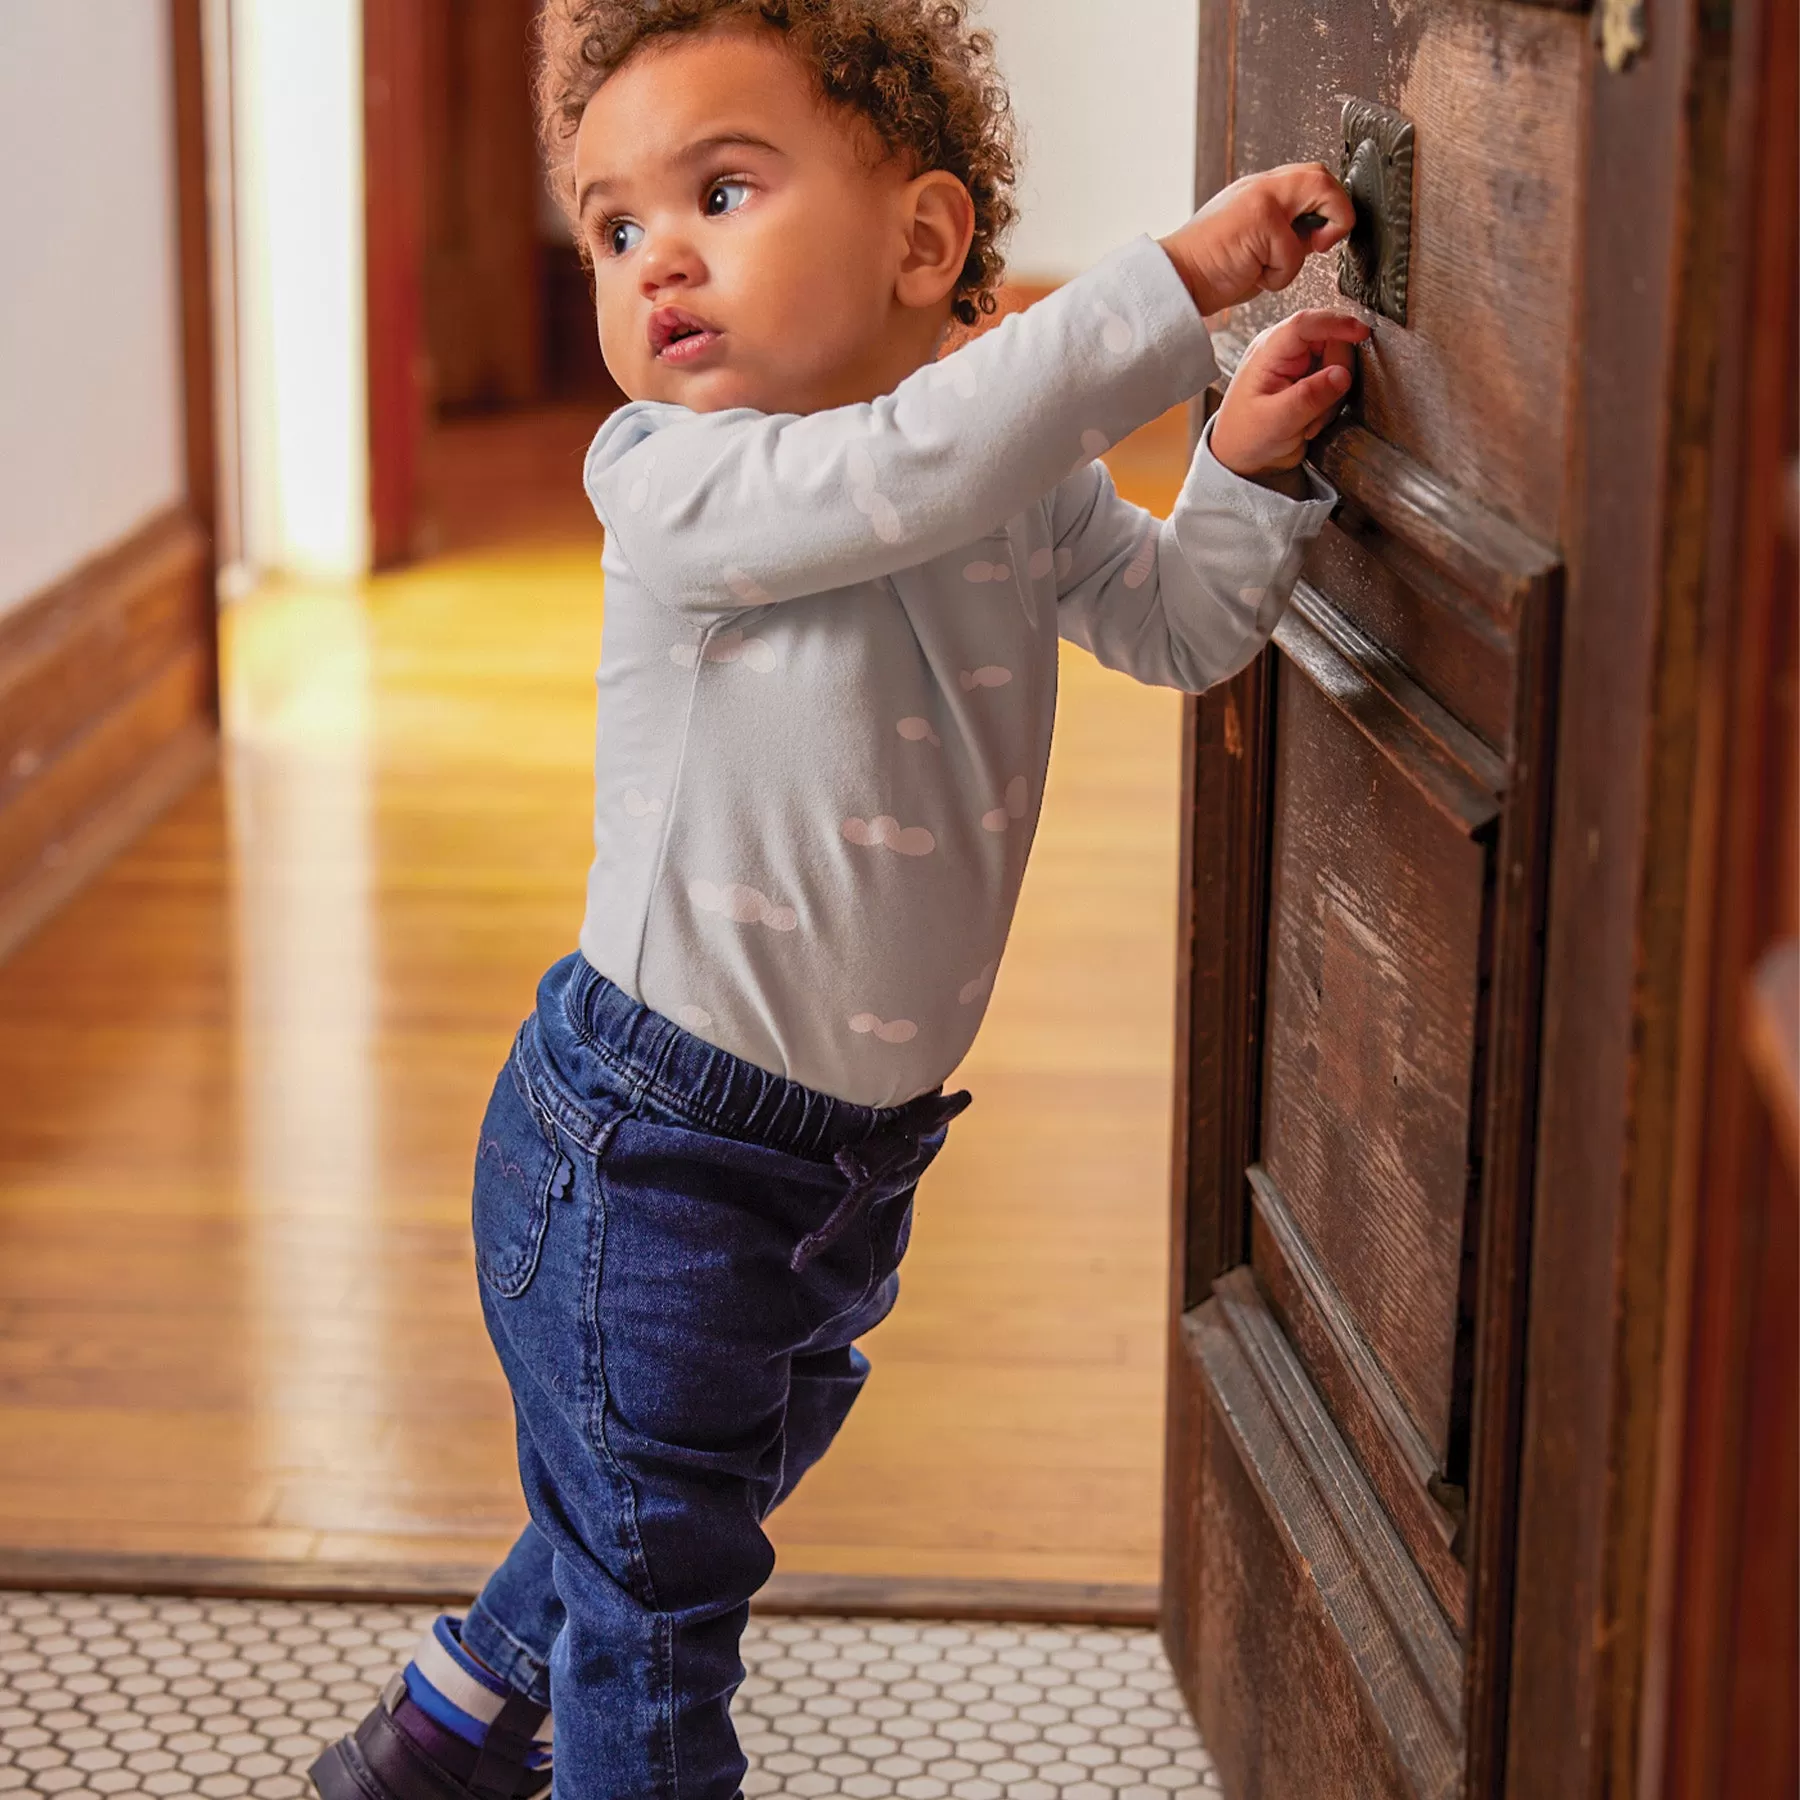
(1187, 601)
(722, 511)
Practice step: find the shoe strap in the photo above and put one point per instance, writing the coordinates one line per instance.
(503, 1767)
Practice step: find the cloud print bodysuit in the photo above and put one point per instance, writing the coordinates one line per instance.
(828, 673)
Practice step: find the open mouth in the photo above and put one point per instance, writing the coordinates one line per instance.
(677, 336)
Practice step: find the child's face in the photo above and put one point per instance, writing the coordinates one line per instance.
(751, 246)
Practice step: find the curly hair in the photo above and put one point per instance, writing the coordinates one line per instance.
(916, 70)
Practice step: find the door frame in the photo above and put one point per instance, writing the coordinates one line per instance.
(393, 33)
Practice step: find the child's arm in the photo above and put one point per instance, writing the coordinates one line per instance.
(722, 510)
(716, 512)
(1189, 601)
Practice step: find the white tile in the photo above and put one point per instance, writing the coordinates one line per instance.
(216, 1699)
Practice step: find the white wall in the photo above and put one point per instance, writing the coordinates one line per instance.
(90, 389)
(302, 376)
(1105, 93)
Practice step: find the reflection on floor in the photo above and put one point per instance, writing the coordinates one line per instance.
(164, 1697)
(240, 1077)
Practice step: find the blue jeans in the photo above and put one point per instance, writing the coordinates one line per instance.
(677, 1252)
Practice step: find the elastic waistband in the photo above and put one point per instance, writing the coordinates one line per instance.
(596, 1030)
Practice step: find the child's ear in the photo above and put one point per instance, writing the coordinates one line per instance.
(939, 221)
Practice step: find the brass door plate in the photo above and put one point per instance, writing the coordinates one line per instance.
(1378, 171)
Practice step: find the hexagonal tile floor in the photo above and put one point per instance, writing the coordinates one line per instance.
(108, 1696)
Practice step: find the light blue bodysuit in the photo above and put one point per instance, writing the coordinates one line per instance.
(828, 673)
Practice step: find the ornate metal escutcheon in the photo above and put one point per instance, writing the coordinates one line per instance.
(1378, 171)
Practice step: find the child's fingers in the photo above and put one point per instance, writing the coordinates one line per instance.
(1283, 259)
(1311, 188)
(1307, 401)
(1315, 326)
(1294, 346)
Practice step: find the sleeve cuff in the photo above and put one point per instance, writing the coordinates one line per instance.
(1302, 519)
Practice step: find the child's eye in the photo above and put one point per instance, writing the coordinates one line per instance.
(622, 236)
(726, 197)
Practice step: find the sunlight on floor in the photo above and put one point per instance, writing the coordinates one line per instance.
(245, 1069)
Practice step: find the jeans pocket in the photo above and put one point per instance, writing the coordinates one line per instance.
(515, 1168)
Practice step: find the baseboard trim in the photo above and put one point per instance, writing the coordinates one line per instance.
(926, 1597)
(106, 710)
(170, 771)
(844, 1596)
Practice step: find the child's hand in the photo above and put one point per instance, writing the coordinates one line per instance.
(1292, 380)
(1244, 240)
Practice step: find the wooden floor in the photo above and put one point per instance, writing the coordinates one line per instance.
(240, 1074)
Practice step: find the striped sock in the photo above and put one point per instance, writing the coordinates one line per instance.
(461, 1696)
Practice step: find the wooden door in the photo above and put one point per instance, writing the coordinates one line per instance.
(1368, 841)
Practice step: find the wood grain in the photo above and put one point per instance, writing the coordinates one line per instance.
(454, 1584)
(1424, 1527)
(106, 702)
(1386, 1641)
(394, 226)
(194, 272)
(240, 1076)
(1617, 915)
(479, 174)
(1376, 906)
(1772, 1041)
(1427, 634)
(1449, 768)
(1394, 597)
(1723, 1653)
(72, 653)
(1472, 386)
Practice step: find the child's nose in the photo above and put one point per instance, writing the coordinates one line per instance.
(669, 260)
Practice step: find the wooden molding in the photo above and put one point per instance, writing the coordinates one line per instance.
(1651, 322)
(106, 711)
(1336, 1536)
(450, 1584)
(1316, 642)
(193, 239)
(394, 242)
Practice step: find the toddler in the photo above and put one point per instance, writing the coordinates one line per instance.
(837, 568)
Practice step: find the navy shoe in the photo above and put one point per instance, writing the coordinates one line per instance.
(400, 1753)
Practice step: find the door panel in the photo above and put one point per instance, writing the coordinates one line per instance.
(1366, 852)
(1376, 905)
(1394, 1459)
(1315, 1596)
(1461, 651)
